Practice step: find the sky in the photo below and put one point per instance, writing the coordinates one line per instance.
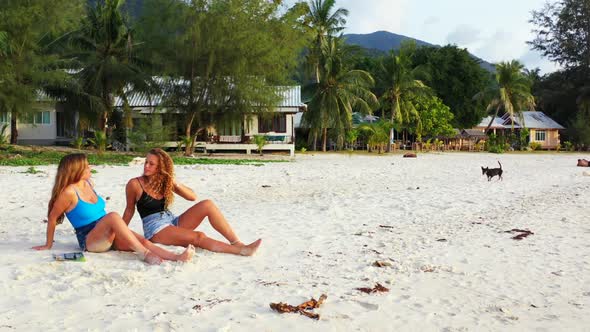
(492, 30)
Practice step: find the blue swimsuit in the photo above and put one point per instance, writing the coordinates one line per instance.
(85, 216)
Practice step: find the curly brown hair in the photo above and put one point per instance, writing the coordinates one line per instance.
(162, 182)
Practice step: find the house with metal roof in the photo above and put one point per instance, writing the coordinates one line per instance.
(542, 129)
(230, 134)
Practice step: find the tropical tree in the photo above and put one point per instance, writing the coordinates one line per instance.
(377, 134)
(398, 77)
(323, 21)
(27, 63)
(224, 58)
(435, 118)
(510, 92)
(563, 33)
(337, 94)
(106, 63)
(455, 76)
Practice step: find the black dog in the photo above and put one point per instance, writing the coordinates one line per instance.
(491, 172)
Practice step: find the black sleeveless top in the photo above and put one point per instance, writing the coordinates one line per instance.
(147, 205)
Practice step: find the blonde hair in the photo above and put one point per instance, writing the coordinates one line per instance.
(162, 182)
(70, 170)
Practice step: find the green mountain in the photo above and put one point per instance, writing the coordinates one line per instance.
(383, 41)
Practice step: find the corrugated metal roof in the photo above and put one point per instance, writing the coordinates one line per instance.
(498, 122)
(532, 120)
(291, 97)
(538, 120)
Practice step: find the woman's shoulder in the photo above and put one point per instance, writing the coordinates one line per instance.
(69, 192)
(134, 183)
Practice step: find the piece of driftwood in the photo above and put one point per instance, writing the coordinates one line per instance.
(410, 155)
(523, 233)
(583, 163)
(303, 309)
(377, 289)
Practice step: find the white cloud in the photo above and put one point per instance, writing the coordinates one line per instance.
(534, 59)
(431, 20)
(373, 15)
(464, 35)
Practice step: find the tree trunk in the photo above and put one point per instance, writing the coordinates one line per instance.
(13, 128)
(188, 147)
(388, 149)
(492, 120)
(324, 138)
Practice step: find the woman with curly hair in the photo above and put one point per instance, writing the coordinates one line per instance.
(153, 193)
(97, 231)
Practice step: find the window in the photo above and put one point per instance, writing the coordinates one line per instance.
(42, 118)
(278, 124)
(229, 127)
(540, 136)
(36, 118)
(4, 117)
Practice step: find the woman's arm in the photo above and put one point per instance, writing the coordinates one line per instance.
(59, 207)
(131, 194)
(184, 192)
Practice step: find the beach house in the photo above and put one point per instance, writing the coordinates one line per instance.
(542, 129)
(51, 125)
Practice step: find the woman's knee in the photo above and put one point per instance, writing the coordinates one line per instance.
(198, 238)
(114, 215)
(208, 204)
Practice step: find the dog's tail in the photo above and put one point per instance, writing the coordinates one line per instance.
(500, 164)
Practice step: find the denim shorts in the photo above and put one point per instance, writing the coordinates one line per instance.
(156, 222)
(82, 233)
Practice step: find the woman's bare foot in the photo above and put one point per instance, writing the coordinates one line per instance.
(151, 258)
(250, 249)
(187, 255)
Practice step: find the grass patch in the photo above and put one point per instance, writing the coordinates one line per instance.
(32, 170)
(14, 155)
(17, 156)
(211, 161)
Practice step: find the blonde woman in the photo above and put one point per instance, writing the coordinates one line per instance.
(96, 231)
(153, 193)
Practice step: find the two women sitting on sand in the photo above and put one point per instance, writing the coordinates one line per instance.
(96, 231)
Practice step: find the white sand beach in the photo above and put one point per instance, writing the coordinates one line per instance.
(435, 221)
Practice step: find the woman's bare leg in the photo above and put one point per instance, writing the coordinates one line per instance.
(183, 237)
(193, 217)
(111, 227)
(185, 256)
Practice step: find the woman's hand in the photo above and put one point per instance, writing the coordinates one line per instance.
(42, 247)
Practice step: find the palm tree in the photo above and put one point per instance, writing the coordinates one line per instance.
(401, 86)
(510, 91)
(338, 92)
(323, 22)
(378, 134)
(106, 62)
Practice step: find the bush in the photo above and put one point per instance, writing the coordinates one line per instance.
(148, 135)
(260, 141)
(99, 141)
(535, 146)
(78, 142)
(496, 144)
(301, 143)
(568, 146)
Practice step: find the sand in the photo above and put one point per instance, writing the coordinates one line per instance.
(435, 222)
